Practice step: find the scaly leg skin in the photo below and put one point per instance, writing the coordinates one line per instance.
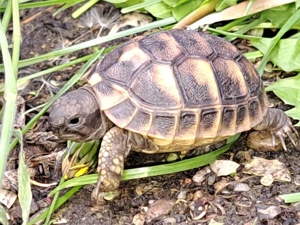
(278, 123)
(116, 145)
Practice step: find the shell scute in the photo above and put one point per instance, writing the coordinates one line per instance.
(250, 75)
(221, 47)
(162, 47)
(233, 88)
(193, 43)
(123, 112)
(156, 87)
(130, 59)
(195, 79)
(141, 122)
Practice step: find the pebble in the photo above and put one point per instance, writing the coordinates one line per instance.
(182, 195)
(170, 221)
(241, 187)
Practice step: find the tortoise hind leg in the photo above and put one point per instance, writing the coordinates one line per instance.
(278, 123)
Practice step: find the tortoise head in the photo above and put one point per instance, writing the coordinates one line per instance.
(76, 116)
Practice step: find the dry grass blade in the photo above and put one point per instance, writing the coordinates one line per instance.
(238, 10)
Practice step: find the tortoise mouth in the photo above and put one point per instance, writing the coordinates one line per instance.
(73, 137)
(63, 134)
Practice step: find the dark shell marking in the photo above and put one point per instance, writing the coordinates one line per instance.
(182, 86)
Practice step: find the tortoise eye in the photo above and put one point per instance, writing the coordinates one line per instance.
(75, 121)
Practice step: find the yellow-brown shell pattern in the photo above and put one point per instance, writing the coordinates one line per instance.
(181, 86)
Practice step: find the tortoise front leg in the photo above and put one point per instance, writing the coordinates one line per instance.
(278, 123)
(115, 146)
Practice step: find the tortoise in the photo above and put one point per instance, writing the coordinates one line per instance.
(170, 91)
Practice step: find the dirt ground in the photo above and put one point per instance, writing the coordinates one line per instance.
(168, 199)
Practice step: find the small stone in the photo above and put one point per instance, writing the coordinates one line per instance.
(138, 219)
(263, 141)
(109, 196)
(159, 207)
(182, 195)
(170, 221)
(213, 222)
(220, 185)
(270, 212)
(199, 177)
(211, 179)
(198, 195)
(139, 190)
(297, 180)
(241, 187)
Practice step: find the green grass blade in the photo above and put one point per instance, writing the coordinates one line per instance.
(16, 37)
(246, 28)
(83, 8)
(31, 5)
(10, 96)
(52, 206)
(7, 16)
(3, 218)
(248, 7)
(139, 6)
(290, 198)
(24, 188)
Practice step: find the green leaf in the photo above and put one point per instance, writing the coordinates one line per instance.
(295, 114)
(160, 10)
(174, 3)
(127, 3)
(223, 4)
(3, 218)
(184, 9)
(171, 3)
(288, 90)
(24, 192)
(297, 4)
(279, 15)
(285, 54)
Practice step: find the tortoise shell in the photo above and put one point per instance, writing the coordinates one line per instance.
(179, 87)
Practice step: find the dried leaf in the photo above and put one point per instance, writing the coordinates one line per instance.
(7, 198)
(262, 167)
(238, 11)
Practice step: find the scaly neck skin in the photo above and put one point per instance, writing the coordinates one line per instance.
(106, 124)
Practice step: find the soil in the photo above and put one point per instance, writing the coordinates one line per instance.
(167, 199)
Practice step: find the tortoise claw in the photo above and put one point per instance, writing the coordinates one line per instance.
(291, 138)
(295, 131)
(286, 132)
(282, 142)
